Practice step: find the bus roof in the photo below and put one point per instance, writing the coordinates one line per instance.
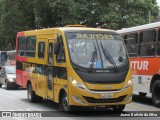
(141, 27)
(50, 30)
(11, 51)
(83, 28)
(3, 52)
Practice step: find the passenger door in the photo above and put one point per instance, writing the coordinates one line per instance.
(40, 68)
(50, 69)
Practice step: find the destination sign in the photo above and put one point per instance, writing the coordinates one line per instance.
(94, 36)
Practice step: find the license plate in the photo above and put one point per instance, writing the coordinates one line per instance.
(106, 96)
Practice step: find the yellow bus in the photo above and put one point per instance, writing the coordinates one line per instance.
(74, 66)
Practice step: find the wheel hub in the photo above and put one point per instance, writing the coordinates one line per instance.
(65, 103)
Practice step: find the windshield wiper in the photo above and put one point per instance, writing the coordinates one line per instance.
(94, 55)
(108, 57)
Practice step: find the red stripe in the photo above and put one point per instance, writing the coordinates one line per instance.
(21, 78)
(20, 34)
(20, 58)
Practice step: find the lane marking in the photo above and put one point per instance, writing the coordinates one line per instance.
(15, 108)
(18, 118)
(144, 109)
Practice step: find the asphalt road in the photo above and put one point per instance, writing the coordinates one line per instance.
(16, 101)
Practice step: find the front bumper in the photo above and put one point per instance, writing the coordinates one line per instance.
(12, 84)
(79, 97)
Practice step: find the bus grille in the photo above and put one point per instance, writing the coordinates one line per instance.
(111, 100)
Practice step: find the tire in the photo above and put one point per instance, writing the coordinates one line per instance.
(64, 104)
(118, 108)
(142, 94)
(6, 85)
(32, 97)
(17, 88)
(156, 93)
(0, 85)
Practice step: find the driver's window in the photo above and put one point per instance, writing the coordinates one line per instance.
(60, 50)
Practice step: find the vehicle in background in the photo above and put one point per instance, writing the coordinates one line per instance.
(143, 45)
(3, 58)
(8, 77)
(11, 57)
(74, 66)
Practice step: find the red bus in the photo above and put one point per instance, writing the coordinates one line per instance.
(143, 45)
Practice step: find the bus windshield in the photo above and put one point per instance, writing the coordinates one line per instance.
(10, 70)
(98, 50)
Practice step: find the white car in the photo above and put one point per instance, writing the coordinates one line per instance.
(8, 77)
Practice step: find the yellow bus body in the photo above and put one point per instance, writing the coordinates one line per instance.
(92, 96)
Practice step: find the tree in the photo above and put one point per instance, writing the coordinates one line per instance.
(17, 18)
(21, 15)
(127, 13)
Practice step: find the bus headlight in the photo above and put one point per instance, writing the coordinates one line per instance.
(77, 84)
(129, 83)
(77, 99)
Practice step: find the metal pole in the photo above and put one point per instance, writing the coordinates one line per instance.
(149, 12)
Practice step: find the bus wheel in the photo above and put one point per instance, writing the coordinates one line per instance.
(155, 93)
(0, 85)
(118, 108)
(64, 103)
(142, 94)
(32, 97)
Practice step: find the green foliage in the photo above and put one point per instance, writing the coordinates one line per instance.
(21, 15)
(16, 15)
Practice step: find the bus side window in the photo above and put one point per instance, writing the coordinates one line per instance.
(147, 43)
(31, 46)
(131, 41)
(21, 46)
(158, 44)
(41, 49)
